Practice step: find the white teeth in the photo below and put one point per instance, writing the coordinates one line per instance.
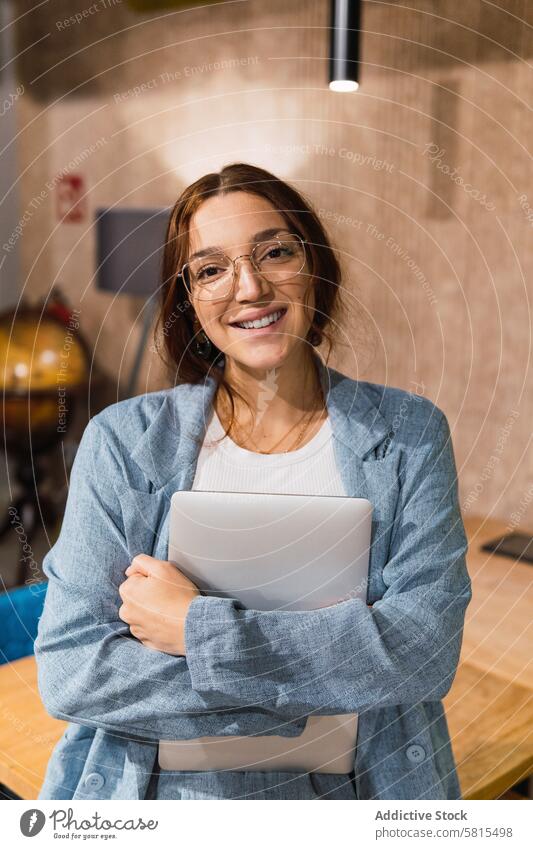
(261, 322)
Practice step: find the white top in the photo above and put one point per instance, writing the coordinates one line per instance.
(309, 470)
(226, 467)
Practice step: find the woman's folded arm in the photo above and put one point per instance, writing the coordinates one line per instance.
(351, 657)
(91, 670)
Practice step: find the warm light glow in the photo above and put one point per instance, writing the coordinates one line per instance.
(344, 85)
(48, 357)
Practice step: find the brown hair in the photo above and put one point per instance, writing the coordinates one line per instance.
(176, 317)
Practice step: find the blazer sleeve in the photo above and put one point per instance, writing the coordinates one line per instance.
(91, 670)
(352, 657)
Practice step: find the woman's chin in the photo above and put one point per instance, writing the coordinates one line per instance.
(260, 357)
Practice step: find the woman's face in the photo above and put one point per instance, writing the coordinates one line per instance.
(230, 224)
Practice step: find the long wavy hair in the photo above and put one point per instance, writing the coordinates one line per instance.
(176, 318)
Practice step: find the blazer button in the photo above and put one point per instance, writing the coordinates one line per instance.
(94, 781)
(415, 753)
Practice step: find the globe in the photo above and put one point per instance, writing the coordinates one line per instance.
(45, 368)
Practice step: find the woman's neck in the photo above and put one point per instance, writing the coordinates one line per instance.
(287, 406)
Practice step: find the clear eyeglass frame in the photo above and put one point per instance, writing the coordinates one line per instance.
(230, 286)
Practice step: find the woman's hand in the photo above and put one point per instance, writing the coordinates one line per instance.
(156, 597)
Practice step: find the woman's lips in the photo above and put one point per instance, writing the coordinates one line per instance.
(260, 331)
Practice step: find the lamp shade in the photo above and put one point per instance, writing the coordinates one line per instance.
(129, 248)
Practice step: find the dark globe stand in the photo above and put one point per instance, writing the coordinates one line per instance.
(45, 370)
(31, 508)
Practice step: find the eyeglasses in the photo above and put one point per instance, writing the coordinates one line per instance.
(213, 277)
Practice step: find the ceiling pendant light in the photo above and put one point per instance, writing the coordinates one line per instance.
(344, 51)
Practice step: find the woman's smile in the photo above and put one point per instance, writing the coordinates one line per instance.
(267, 324)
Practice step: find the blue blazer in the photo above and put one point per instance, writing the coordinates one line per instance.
(391, 660)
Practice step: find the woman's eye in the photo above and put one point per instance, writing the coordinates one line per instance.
(277, 252)
(208, 271)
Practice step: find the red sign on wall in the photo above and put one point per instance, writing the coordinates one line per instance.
(71, 205)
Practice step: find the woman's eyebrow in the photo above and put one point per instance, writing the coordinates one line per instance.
(257, 237)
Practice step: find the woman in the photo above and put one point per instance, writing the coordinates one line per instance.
(130, 653)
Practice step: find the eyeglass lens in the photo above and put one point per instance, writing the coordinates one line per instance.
(278, 259)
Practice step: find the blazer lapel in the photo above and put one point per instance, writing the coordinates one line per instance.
(167, 453)
(358, 428)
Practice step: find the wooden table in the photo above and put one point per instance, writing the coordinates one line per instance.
(490, 705)
(27, 733)
(489, 708)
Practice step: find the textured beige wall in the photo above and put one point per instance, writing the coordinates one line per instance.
(440, 272)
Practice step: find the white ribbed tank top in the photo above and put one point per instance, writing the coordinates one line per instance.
(226, 467)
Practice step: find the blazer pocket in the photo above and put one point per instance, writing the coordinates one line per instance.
(143, 515)
(417, 755)
(67, 762)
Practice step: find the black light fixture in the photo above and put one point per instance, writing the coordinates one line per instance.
(344, 51)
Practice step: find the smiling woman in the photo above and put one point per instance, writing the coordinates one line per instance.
(127, 646)
(251, 257)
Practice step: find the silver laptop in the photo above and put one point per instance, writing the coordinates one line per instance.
(268, 551)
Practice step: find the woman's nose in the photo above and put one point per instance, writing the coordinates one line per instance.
(248, 281)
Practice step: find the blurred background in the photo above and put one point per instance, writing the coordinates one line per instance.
(422, 176)
(121, 105)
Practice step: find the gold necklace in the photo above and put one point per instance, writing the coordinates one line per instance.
(299, 439)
